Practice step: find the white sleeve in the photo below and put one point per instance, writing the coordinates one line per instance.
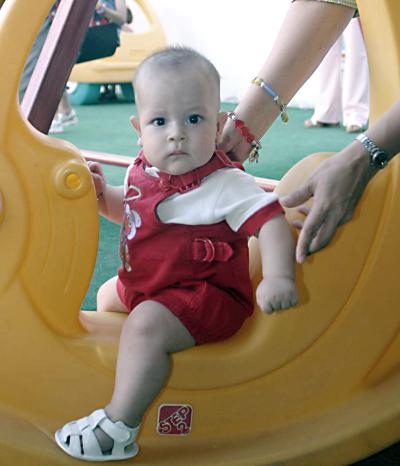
(240, 197)
(227, 194)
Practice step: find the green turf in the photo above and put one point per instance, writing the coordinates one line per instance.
(106, 128)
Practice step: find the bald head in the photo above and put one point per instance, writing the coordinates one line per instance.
(176, 60)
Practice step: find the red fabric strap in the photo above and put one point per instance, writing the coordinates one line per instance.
(206, 250)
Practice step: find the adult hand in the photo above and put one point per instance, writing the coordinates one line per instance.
(336, 187)
(100, 7)
(233, 144)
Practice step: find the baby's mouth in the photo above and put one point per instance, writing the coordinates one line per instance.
(177, 152)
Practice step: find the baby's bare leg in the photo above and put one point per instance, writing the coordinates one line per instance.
(108, 299)
(150, 334)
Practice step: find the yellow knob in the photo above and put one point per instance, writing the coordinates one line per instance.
(72, 181)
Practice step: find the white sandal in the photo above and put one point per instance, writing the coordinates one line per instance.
(77, 438)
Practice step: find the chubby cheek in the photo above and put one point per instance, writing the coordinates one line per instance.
(208, 143)
(151, 143)
(205, 154)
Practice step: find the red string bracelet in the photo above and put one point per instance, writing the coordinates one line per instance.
(247, 135)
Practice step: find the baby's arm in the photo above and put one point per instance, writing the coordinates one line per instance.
(277, 290)
(109, 198)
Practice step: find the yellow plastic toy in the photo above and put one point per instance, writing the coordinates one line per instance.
(120, 68)
(317, 385)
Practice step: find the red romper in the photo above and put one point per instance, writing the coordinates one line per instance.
(199, 272)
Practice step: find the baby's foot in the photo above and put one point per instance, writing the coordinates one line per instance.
(97, 438)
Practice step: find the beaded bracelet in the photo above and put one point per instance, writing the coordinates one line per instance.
(275, 97)
(249, 137)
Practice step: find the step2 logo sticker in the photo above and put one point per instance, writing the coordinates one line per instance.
(174, 419)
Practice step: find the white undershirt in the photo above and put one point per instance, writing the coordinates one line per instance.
(227, 194)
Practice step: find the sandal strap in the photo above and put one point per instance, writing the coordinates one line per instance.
(90, 444)
(116, 430)
(119, 432)
(81, 428)
(75, 445)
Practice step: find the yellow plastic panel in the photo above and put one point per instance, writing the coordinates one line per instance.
(316, 385)
(379, 19)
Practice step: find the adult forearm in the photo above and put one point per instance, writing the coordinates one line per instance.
(386, 131)
(307, 33)
(117, 16)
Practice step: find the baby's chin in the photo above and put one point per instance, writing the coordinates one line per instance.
(178, 165)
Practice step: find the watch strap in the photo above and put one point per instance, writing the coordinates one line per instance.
(377, 157)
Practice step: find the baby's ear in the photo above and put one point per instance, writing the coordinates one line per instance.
(222, 117)
(136, 126)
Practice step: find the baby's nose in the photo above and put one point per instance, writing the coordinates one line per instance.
(177, 133)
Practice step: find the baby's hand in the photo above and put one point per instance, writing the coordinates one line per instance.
(99, 181)
(276, 293)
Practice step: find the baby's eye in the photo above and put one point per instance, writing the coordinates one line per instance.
(194, 119)
(159, 121)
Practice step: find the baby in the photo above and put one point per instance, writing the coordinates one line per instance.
(186, 212)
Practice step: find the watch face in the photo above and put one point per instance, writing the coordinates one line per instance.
(379, 159)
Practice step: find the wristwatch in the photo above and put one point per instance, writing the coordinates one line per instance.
(377, 157)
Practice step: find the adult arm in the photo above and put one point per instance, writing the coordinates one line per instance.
(309, 29)
(117, 16)
(338, 183)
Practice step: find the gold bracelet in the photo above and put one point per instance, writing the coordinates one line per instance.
(275, 97)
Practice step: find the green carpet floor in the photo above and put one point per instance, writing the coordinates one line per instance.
(106, 128)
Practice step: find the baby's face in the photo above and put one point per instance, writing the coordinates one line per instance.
(178, 117)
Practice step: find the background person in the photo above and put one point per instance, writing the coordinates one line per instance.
(107, 13)
(343, 95)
